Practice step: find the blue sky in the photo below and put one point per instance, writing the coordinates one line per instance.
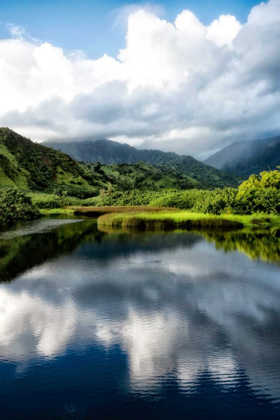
(88, 25)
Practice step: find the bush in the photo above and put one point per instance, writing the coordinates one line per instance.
(73, 191)
(260, 193)
(15, 205)
(53, 201)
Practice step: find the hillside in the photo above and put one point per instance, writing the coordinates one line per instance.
(247, 157)
(205, 174)
(31, 166)
(111, 152)
(143, 176)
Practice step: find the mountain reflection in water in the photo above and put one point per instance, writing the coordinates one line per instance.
(153, 325)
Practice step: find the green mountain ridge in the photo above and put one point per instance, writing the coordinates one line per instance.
(111, 152)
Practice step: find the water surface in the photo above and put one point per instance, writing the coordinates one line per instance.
(98, 325)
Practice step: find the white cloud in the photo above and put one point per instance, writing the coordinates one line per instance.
(121, 14)
(210, 84)
(16, 31)
(223, 30)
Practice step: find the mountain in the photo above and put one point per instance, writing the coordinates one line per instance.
(112, 152)
(245, 158)
(31, 166)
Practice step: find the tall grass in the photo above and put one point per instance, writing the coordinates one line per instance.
(184, 220)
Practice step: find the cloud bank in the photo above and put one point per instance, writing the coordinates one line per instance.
(179, 86)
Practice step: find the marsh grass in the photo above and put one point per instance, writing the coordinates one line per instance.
(184, 220)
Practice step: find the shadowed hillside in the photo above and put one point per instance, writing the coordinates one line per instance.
(247, 157)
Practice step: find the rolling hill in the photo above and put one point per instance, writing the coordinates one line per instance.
(245, 158)
(111, 152)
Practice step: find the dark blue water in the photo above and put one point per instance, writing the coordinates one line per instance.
(99, 325)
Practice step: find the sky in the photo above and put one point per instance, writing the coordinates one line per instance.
(93, 26)
(185, 76)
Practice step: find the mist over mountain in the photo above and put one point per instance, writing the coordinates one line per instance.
(245, 158)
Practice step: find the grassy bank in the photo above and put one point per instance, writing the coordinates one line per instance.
(185, 220)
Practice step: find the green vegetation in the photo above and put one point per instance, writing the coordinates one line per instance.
(258, 194)
(208, 176)
(53, 201)
(31, 166)
(111, 153)
(235, 207)
(184, 220)
(256, 244)
(143, 176)
(16, 206)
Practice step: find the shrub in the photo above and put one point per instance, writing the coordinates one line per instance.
(15, 205)
(53, 201)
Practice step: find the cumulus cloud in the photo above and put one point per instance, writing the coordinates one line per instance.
(179, 86)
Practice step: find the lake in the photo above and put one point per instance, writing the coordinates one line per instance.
(133, 325)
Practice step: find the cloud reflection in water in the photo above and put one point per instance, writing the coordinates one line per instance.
(183, 310)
